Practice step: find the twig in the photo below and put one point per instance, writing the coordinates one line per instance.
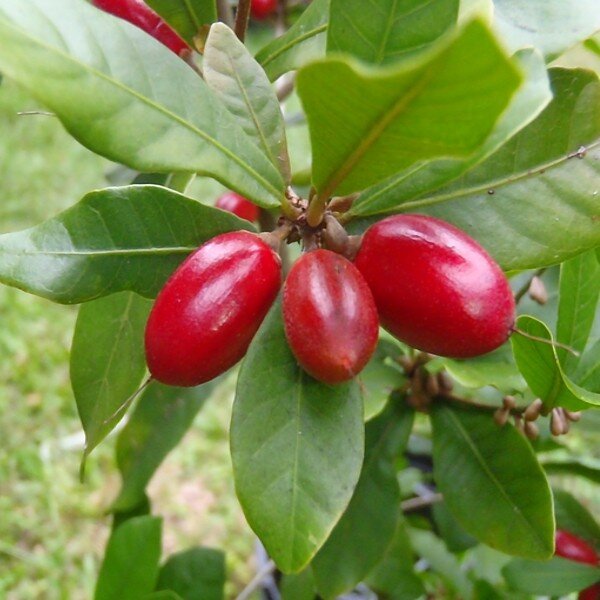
(225, 13)
(420, 502)
(256, 581)
(242, 17)
(286, 87)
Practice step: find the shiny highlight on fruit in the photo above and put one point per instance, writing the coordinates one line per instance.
(238, 205)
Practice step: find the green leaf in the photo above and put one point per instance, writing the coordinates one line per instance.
(304, 42)
(393, 30)
(242, 85)
(163, 595)
(556, 577)
(363, 534)
(186, 17)
(125, 96)
(579, 291)
(195, 574)
(298, 586)
(454, 536)
(552, 26)
(297, 448)
(492, 483)
(575, 518)
(107, 361)
(130, 566)
(159, 422)
(539, 365)
(426, 177)
(577, 467)
(394, 577)
(389, 120)
(113, 240)
(139, 510)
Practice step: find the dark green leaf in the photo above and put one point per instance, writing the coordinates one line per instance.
(163, 595)
(195, 574)
(298, 586)
(129, 238)
(580, 468)
(387, 121)
(297, 447)
(575, 518)
(125, 96)
(130, 566)
(160, 420)
(107, 361)
(304, 42)
(393, 30)
(492, 482)
(454, 536)
(363, 534)
(187, 17)
(240, 82)
(556, 577)
(139, 510)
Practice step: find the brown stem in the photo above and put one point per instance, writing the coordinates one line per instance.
(420, 502)
(242, 16)
(225, 13)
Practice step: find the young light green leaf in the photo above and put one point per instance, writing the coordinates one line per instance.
(113, 240)
(297, 447)
(125, 96)
(393, 30)
(492, 483)
(240, 82)
(186, 17)
(161, 418)
(556, 577)
(389, 120)
(195, 574)
(130, 566)
(302, 43)
(539, 365)
(575, 518)
(363, 534)
(107, 361)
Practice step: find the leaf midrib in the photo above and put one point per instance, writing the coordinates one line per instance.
(293, 42)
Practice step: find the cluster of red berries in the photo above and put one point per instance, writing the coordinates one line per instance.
(428, 283)
(573, 548)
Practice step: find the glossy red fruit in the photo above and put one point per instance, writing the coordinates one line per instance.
(238, 205)
(140, 14)
(206, 315)
(330, 317)
(262, 9)
(436, 288)
(574, 548)
(591, 593)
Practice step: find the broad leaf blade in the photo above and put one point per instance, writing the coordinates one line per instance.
(304, 42)
(240, 82)
(387, 121)
(107, 361)
(186, 17)
(113, 240)
(492, 482)
(130, 566)
(393, 29)
(363, 534)
(160, 420)
(127, 97)
(297, 448)
(575, 518)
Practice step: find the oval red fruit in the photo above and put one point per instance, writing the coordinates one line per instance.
(206, 315)
(330, 317)
(238, 205)
(591, 593)
(574, 548)
(436, 288)
(262, 9)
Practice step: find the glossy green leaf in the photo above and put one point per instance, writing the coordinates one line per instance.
(195, 574)
(550, 25)
(389, 120)
(107, 361)
(117, 239)
(130, 566)
(556, 577)
(579, 291)
(187, 17)
(394, 577)
(163, 595)
(539, 365)
(575, 518)
(577, 467)
(492, 483)
(242, 85)
(394, 29)
(298, 586)
(454, 536)
(125, 96)
(529, 100)
(304, 42)
(363, 534)
(587, 372)
(160, 420)
(297, 447)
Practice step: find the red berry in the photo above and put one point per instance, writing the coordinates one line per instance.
(591, 593)
(436, 288)
(574, 548)
(209, 310)
(262, 9)
(330, 317)
(140, 14)
(238, 205)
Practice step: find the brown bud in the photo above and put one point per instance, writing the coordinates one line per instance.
(501, 417)
(531, 430)
(509, 402)
(445, 381)
(557, 422)
(573, 416)
(334, 235)
(406, 363)
(431, 385)
(533, 410)
(537, 291)
(519, 424)
(342, 204)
